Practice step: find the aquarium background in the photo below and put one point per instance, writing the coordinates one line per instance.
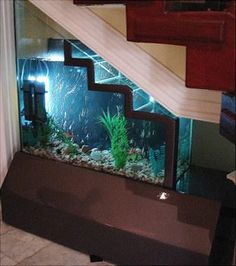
(61, 118)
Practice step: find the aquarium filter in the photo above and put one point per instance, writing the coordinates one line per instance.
(34, 100)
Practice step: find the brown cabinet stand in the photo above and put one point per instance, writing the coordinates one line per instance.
(120, 220)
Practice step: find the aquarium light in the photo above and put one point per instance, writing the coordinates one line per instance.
(45, 80)
(31, 78)
(41, 79)
(56, 57)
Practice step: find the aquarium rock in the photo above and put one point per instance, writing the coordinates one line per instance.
(136, 167)
(96, 155)
(101, 160)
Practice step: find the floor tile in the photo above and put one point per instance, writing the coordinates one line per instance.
(102, 263)
(4, 228)
(19, 245)
(20, 248)
(5, 261)
(21, 235)
(55, 254)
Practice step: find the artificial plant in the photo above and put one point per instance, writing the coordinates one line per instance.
(153, 159)
(45, 131)
(116, 128)
(63, 137)
(157, 159)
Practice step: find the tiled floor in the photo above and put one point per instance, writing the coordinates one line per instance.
(20, 248)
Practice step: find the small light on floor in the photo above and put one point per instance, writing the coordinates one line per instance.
(163, 196)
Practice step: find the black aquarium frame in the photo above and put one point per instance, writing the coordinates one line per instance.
(171, 124)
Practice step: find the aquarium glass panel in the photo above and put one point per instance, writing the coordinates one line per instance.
(74, 115)
(184, 146)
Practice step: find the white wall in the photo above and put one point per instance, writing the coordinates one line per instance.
(210, 149)
(9, 128)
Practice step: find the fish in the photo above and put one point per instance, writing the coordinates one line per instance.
(70, 127)
(73, 89)
(142, 135)
(69, 134)
(64, 124)
(59, 87)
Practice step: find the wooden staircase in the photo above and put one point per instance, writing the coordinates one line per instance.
(132, 59)
(208, 35)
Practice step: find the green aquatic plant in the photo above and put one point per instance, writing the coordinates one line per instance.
(49, 129)
(116, 129)
(38, 133)
(153, 160)
(71, 147)
(157, 161)
(134, 155)
(46, 129)
(44, 134)
(28, 136)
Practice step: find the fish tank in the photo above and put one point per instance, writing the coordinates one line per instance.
(78, 109)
